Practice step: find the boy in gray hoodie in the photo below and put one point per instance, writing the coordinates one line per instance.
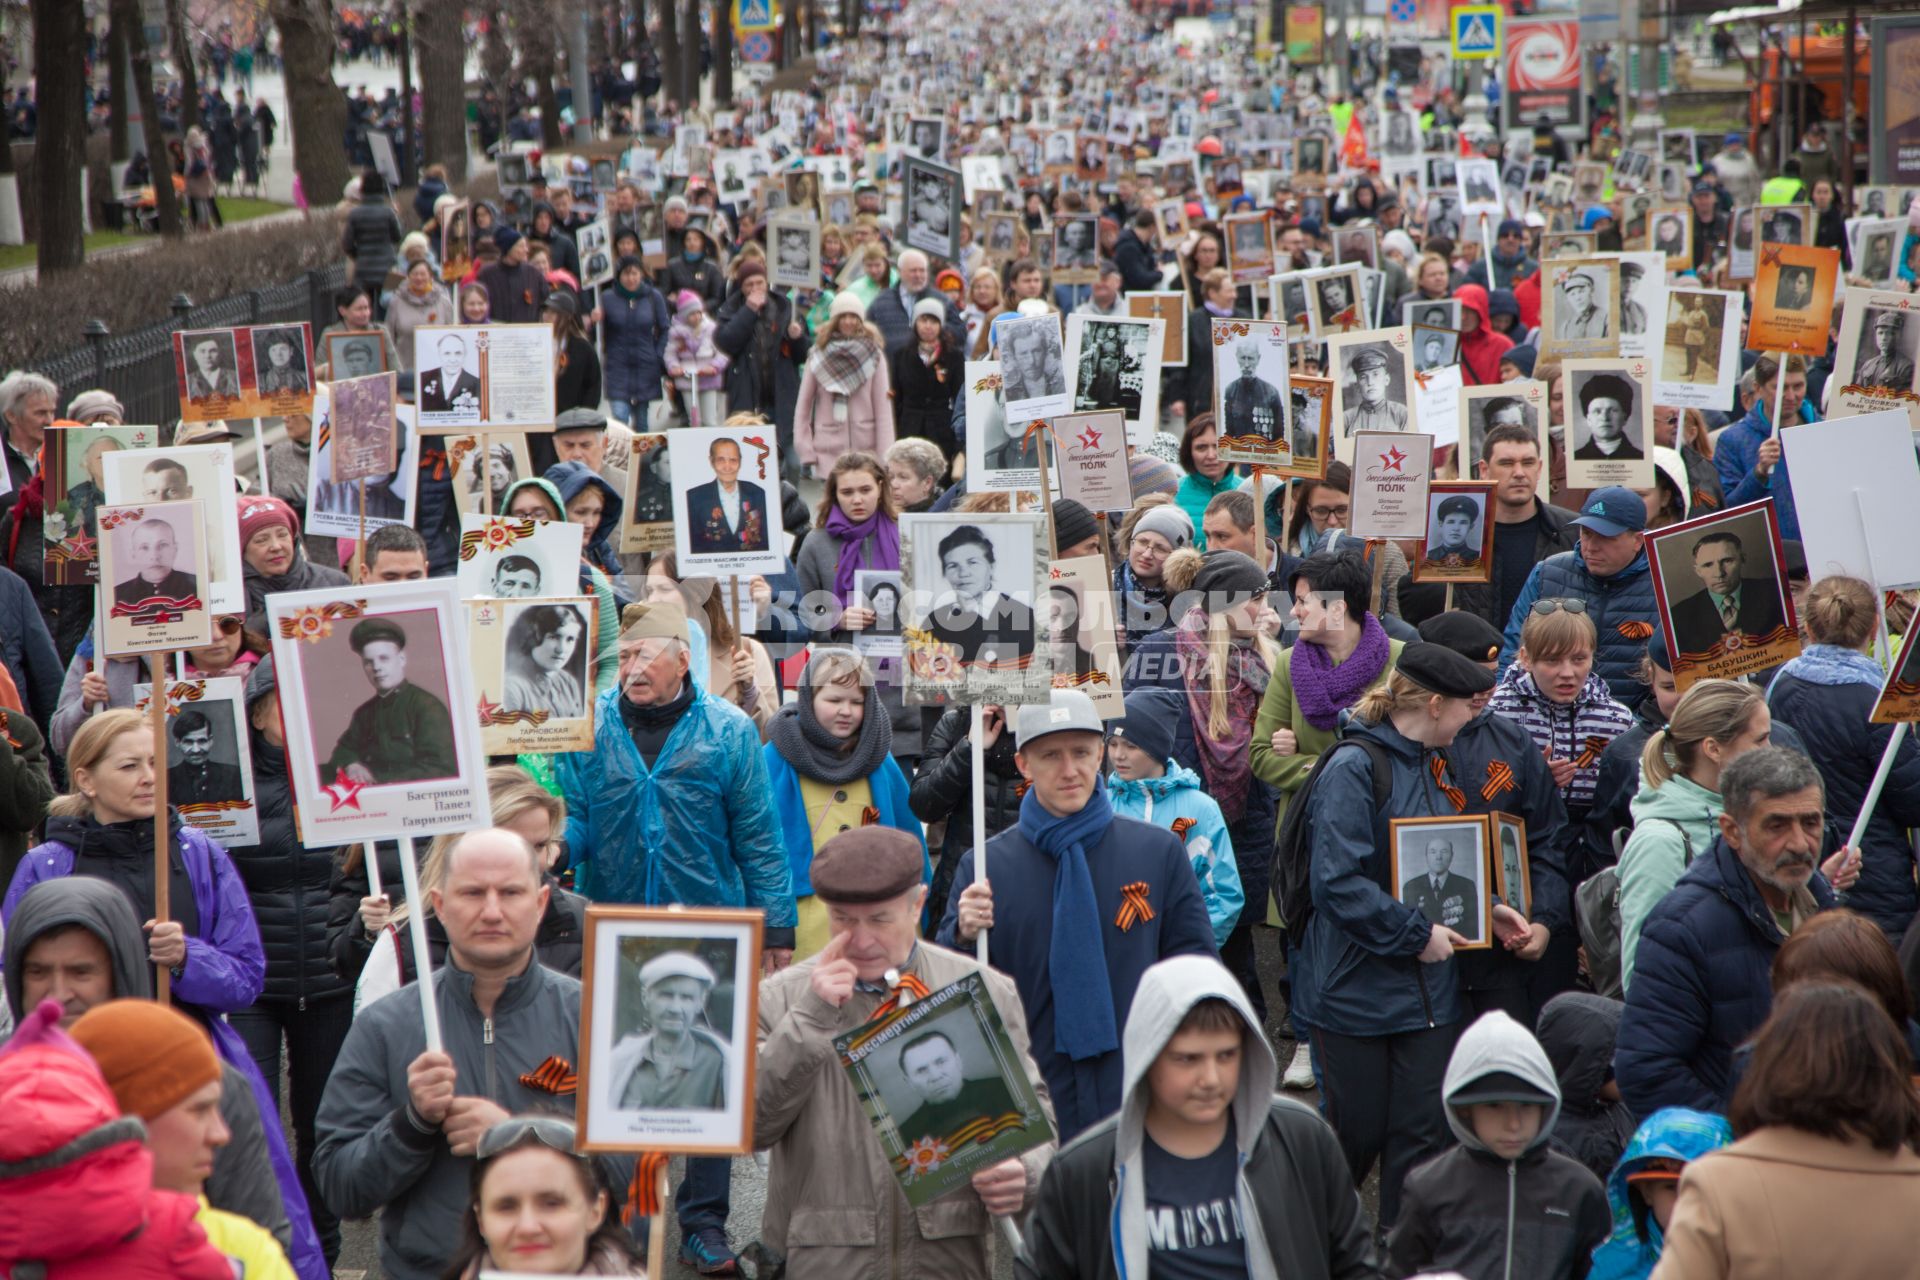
(1204, 1171)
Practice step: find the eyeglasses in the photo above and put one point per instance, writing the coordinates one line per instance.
(1547, 608)
(1328, 513)
(229, 625)
(548, 1131)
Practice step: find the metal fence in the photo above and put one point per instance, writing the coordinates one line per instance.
(138, 367)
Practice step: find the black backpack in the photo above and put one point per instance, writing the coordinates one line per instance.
(1293, 845)
(1597, 914)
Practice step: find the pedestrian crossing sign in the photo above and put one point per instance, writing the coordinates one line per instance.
(752, 15)
(1477, 31)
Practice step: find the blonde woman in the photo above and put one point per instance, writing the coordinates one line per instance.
(536, 815)
(983, 299)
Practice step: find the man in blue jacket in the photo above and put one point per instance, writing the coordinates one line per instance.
(673, 805)
(1081, 904)
(1748, 452)
(1133, 253)
(1701, 976)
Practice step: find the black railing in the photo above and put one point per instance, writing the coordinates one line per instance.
(137, 367)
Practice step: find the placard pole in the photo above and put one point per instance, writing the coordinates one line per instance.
(657, 1225)
(979, 789)
(1779, 396)
(417, 931)
(1448, 606)
(1883, 644)
(157, 710)
(1259, 519)
(1879, 783)
(1486, 247)
(360, 544)
(370, 854)
(1046, 488)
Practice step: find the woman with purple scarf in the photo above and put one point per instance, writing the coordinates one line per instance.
(855, 529)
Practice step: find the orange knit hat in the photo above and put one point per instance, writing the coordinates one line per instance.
(154, 1057)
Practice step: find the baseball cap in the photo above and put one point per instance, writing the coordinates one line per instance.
(1499, 1086)
(1657, 1169)
(1613, 511)
(1070, 711)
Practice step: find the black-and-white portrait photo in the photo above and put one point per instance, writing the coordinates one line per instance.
(926, 137)
(933, 208)
(1309, 403)
(1032, 363)
(212, 369)
(1515, 888)
(546, 660)
(1442, 313)
(1486, 411)
(1783, 225)
(795, 261)
(1479, 186)
(1876, 254)
(1076, 244)
(1373, 388)
(674, 1059)
(397, 727)
(1440, 870)
(1441, 172)
(1457, 533)
(492, 466)
(1670, 238)
(453, 385)
(1736, 594)
(976, 582)
(1610, 425)
(1403, 134)
(1001, 238)
(355, 355)
(1335, 300)
(884, 592)
(1637, 286)
(203, 757)
(1310, 156)
(1793, 291)
(1884, 356)
(1696, 324)
(1356, 244)
(1112, 367)
(1434, 348)
(947, 1094)
(280, 361)
(1582, 304)
(1569, 244)
(1250, 380)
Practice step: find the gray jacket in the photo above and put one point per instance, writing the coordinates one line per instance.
(374, 1152)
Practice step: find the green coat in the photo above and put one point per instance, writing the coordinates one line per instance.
(404, 736)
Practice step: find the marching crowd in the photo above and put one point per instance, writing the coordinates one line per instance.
(1681, 1045)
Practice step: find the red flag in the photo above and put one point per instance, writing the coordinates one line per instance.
(1353, 151)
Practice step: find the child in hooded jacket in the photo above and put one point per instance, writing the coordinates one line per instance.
(1578, 1029)
(1502, 1205)
(1643, 1187)
(694, 363)
(1147, 784)
(1551, 691)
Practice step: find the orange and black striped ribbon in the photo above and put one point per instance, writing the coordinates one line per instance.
(1590, 752)
(1453, 793)
(643, 1193)
(1183, 825)
(1133, 906)
(869, 816)
(556, 1076)
(1499, 778)
(1635, 629)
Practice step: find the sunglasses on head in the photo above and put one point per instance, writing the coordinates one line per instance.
(1546, 608)
(549, 1131)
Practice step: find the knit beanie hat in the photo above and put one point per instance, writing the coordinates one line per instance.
(1170, 522)
(747, 270)
(262, 512)
(930, 307)
(686, 303)
(846, 303)
(504, 238)
(1072, 523)
(1522, 358)
(153, 1056)
(89, 405)
(1228, 578)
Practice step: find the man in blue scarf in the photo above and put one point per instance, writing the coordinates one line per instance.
(1081, 903)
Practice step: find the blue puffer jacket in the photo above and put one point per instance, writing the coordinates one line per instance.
(1357, 971)
(1829, 709)
(1735, 453)
(698, 828)
(1622, 609)
(1701, 985)
(633, 338)
(1176, 801)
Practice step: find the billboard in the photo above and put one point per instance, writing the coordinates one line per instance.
(1543, 73)
(1896, 107)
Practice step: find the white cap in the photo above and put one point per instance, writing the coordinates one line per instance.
(1070, 711)
(675, 964)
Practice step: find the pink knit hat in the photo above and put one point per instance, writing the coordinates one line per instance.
(686, 302)
(263, 512)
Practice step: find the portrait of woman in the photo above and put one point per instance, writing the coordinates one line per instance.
(495, 470)
(974, 613)
(1072, 661)
(545, 662)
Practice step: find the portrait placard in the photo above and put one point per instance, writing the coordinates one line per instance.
(1433, 313)
(1335, 301)
(1873, 369)
(1436, 403)
(594, 242)
(1088, 460)
(1459, 542)
(354, 355)
(1391, 472)
(1358, 244)
(485, 467)
(1033, 368)
(76, 488)
(1784, 224)
(945, 1089)
(1899, 699)
(1522, 404)
(198, 472)
(1742, 245)
(1855, 486)
(1700, 360)
(1479, 185)
(365, 444)
(262, 371)
(155, 555)
(1558, 246)
(1515, 881)
(1433, 348)
(516, 558)
(973, 633)
(1720, 583)
(1250, 389)
(933, 203)
(1076, 249)
(1609, 423)
(456, 241)
(1580, 309)
(1287, 300)
(647, 522)
(1670, 234)
(884, 592)
(484, 377)
(1000, 235)
(1249, 251)
(1083, 632)
(533, 664)
(669, 1009)
(1002, 456)
(794, 258)
(1793, 299)
(1372, 375)
(1114, 363)
(726, 491)
(209, 769)
(393, 759)
(333, 510)
(1440, 869)
(1169, 307)
(1307, 443)
(1876, 248)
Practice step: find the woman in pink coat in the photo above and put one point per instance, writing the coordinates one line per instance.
(845, 395)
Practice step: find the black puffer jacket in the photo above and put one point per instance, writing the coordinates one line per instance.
(943, 788)
(287, 883)
(1577, 1029)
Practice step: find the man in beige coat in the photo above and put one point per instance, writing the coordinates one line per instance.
(834, 1207)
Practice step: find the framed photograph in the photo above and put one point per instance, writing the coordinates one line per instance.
(333, 510)
(1335, 301)
(75, 488)
(1092, 469)
(1440, 171)
(1720, 583)
(794, 262)
(1443, 313)
(533, 663)
(726, 490)
(354, 355)
(1373, 384)
(1670, 234)
(1899, 699)
(1170, 308)
(1793, 299)
(207, 366)
(1700, 359)
(980, 174)
(1083, 631)
(837, 207)
(1875, 360)
(647, 523)
(1433, 348)
(1568, 244)
(1402, 134)
(484, 468)
(1076, 249)
(1520, 404)
(1171, 216)
(944, 1088)
(1741, 245)
(193, 472)
(1636, 219)
(1609, 423)
(733, 176)
(1459, 542)
(1787, 224)
(1876, 248)
(1310, 157)
(1676, 146)
(1287, 300)
(595, 243)
(1249, 251)
(1643, 299)
(1250, 390)
(1000, 236)
(927, 138)
(369, 679)
(1580, 309)
(456, 242)
(155, 555)
(508, 558)
(209, 768)
(281, 368)
(973, 633)
(1391, 472)
(1228, 176)
(1057, 150)
(1033, 365)
(677, 986)
(933, 204)
(1309, 428)
(1002, 457)
(884, 592)
(1115, 363)
(1357, 244)
(802, 188)
(1514, 884)
(1479, 185)
(1440, 868)
(365, 444)
(487, 377)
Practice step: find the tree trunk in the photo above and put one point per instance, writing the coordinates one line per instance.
(119, 93)
(126, 13)
(536, 34)
(60, 142)
(599, 47)
(183, 65)
(316, 110)
(496, 64)
(690, 57)
(670, 51)
(722, 53)
(439, 42)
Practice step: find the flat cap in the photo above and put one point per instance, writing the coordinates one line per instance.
(675, 964)
(1467, 634)
(1070, 711)
(867, 864)
(368, 630)
(1440, 670)
(580, 420)
(641, 621)
(1459, 505)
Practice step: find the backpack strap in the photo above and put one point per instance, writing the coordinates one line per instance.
(1686, 841)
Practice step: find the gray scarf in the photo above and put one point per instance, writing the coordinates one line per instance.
(814, 752)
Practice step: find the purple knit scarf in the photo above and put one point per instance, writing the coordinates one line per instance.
(1323, 690)
(853, 538)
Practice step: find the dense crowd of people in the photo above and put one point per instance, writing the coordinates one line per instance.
(1250, 954)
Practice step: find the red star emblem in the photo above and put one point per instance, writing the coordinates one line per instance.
(344, 792)
(1090, 438)
(487, 708)
(82, 545)
(1392, 458)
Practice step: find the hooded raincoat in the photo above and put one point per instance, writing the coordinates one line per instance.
(1177, 801)
(570, 478)
(606, 661)
(1578, 1029)
(1481, 349)
(1537, 1217)
(1671, 1133)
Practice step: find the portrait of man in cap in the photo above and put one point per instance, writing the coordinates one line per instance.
(1633, 316)
(402, 733)
(678, 1062)
(1581, 313)
(1251, 405)
(1436, 888)
(948, 1099)
(1880, 363)
(1730, 610)
(1607, 403)
(1453, 526)
(1783, 227)
(1367, 404)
